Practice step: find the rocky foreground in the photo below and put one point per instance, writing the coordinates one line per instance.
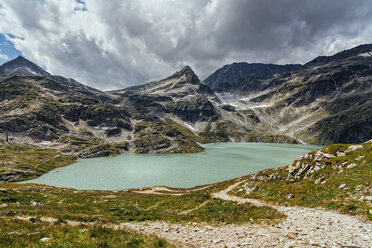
(323, 199)
(303, 227)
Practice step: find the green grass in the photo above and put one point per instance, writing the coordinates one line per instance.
(19, 233)
(328, 195)
(22, 162)
(116, 207)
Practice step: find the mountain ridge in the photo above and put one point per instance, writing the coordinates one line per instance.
(176, 114)
(22, 66)
(243, 74)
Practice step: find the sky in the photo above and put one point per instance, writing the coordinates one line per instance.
(119, 43)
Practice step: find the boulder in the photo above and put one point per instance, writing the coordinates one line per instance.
(351, 165)
(354, 147)
(290, 196)
(340, 154)
(342, 186)
(320, 180)
(298, 170)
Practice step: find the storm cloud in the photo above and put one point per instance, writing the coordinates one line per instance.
(114, 44)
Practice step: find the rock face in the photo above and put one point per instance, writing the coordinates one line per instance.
(328, 100)
(193, 109)
(76, 119)
(21, 66)
(244, 76)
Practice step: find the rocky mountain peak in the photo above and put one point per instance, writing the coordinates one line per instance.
(244, 76)
(364, 50)
(22, 66)
(188, 74)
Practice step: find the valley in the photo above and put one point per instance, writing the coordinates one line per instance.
(313, 103)
(319, 200)
(322, 199)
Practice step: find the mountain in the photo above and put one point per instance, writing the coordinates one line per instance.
(21, 66)
(362, 50)
(186, 100)
(76, 119)
(329, 100)
(245, 77)
(182, 95)
(323, 102)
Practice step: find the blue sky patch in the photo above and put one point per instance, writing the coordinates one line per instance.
(7, 50)
(81, 6)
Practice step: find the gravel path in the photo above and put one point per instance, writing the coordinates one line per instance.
(303, 227)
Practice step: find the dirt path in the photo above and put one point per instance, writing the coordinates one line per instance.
(161, 190)
(195, 208)
(224, 196)
(303, 227)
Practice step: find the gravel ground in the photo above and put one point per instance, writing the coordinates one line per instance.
(303, 227)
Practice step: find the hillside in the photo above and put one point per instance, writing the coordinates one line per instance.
(245, 77)
(325, 101)
(229, 213)
(336, 177)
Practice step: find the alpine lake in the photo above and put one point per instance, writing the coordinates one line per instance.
(219, 162)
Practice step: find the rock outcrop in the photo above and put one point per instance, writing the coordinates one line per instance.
(326, 101)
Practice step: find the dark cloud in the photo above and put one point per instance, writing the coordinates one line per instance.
(114, 44)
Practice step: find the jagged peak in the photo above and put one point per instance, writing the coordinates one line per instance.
(355, 51)
(187, 69)
(20, 60)
(21, 65)
(188, 73)
(20, 57)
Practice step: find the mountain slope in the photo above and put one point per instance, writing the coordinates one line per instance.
(188, 101)
(362, 50)
(60, 113)
(336, 177)
(182, 95)
(22, 66)
(328, 102)
(245, 77)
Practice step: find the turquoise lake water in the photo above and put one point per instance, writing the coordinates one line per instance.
(219, 162)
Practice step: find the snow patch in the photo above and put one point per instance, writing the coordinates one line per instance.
(45, 142)
(260, 106)
(189, 126)
(367, 54)
(31, 71)
(101, 128)
(71, 123)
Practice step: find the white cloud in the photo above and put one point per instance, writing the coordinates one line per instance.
(114, 44)
(3, 56)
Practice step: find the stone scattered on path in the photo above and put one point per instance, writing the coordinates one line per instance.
(303, 227)
(45, 239)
